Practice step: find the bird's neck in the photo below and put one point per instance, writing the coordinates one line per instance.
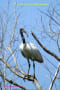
(23, 39)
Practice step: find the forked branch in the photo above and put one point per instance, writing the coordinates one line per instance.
(31, 78)
(12, 82)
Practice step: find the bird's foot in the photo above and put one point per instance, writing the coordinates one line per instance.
(26, 76)
(34, 77)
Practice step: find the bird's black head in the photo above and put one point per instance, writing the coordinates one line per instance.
(22, 30)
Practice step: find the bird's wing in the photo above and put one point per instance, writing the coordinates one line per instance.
(36, 53)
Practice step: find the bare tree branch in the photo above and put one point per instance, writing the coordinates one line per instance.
(13, 28)
(12, 82)
(50, 17)
(15, 61)
(30, 78)
(46, 50)
(54, 78)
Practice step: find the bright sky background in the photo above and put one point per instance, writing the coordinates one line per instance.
(30, 20)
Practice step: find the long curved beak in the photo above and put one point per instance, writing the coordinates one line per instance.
(25, 33)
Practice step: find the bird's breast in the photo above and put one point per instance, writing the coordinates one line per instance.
(25, 50)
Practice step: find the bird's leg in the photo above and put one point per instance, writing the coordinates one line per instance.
(34, 68)
(28, 66)
(28, 69)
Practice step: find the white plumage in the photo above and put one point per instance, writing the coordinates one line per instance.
(30, 51)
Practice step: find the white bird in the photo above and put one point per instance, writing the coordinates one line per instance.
(30, 51)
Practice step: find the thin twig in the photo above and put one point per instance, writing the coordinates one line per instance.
(13, 28)
(50, 17)
(15, 61)
(54, 78)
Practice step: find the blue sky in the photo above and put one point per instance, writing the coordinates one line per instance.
(30, 20)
